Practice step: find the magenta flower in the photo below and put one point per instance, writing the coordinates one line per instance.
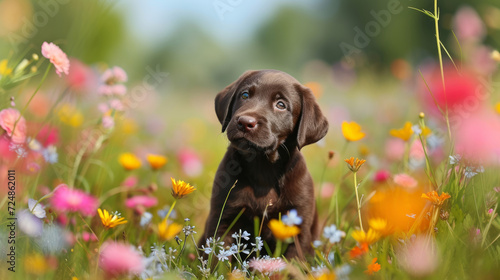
(191, 163)
(381, 176)
(57, 57)
(120, 259)
(74, 200)
(141, 200)
(89, 237)
(8, 118)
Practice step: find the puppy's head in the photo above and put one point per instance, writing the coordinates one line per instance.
(267, 108)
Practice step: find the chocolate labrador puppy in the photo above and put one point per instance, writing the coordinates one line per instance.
(269, 116)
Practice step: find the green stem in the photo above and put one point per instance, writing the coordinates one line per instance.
(170, 211)
(31, 98)
(357, 201)
(277, 251)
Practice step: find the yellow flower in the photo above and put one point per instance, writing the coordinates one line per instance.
(326, 275)
(436, 199)
(354, 164)
(282, 231)
(495, 55)
(379, 225)
(404, 133)
(129, 161)
(110, 221)
(70, 115)
(156, 161)
(35, 264)
(352, 131)
(4, 70)
(166, 231)
(365, 237)
(497, 107)
(181, 188)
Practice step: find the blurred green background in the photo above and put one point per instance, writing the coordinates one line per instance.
(204, 43)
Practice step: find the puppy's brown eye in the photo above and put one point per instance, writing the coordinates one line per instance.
(281, 105)
(245, 95)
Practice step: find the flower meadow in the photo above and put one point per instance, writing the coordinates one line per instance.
(406, 189)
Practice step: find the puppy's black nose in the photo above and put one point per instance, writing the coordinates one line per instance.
(247, 123)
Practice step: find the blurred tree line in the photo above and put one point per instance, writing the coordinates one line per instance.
(94, 32)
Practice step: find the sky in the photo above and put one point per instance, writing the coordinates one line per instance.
(153, 20)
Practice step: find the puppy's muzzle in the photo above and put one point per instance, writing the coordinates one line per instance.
(246, 123)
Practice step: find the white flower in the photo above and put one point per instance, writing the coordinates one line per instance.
(223, 255)
(417, 129)
(332, 234)
(473, 171)
(36, 208)
(50, 154)
(245, 235)
(29, 224)
(146, 219)
(292, 218)
(258, 243)
(207, 250)
(317, 243)
(455, 159)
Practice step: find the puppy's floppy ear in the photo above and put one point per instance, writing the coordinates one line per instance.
(312, 124)
(225, 99)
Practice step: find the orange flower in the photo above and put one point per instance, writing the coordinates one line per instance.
(129, 161)
(156, 161)
(352, 131)
(354, 164)
(372, 267)
(282, 231)
(400, 207)
(181, 188)
(109, 220)
(358, 251)
(403, 133)
(436, 199)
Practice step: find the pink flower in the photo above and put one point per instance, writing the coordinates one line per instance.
(463, 92)
(120, 259)
(190, 162)
(477, 139)
(394, 149)
(327, 190)
(381, 176)
(110, 90)
(74, 200)
(419, 257)
(468, 25)
(48, 136)
(130, 182)
(56, 57)
(80, 75)
(8, 118)
(141, 200)
(87, 236)
(267, 265)
(405, 180)
(108, 122)
(114, 75)
(417, 151)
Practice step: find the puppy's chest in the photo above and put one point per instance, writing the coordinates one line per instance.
(256, 200)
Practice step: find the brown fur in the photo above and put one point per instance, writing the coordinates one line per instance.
(264, 156)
